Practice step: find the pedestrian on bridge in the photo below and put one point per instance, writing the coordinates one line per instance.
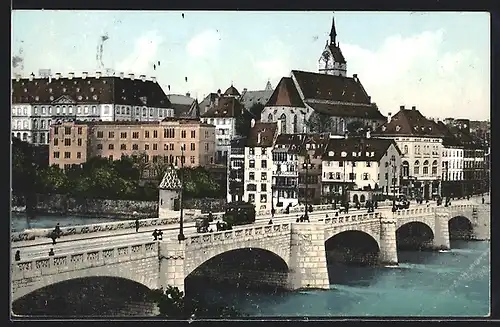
(482, 200)
(155, 235)
(137, 225)
(17, 257)
(160, 235)
(51, 252)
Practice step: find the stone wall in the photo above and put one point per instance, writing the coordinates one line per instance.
(65, 205)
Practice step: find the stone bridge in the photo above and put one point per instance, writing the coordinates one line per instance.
(299, 246)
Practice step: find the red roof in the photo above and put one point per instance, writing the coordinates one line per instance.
(285, 95)
(410, 122)
(227, 107)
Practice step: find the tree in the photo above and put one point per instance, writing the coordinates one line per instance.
(319, 123)
(173, 303)
(355, 128)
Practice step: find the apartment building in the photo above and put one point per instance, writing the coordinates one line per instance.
(259, 164)
(360, 164)
(285, 172)
(168, 141)
(38, 102)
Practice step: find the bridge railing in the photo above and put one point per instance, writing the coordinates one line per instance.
(49, 265)
(238, 234)
(344, 219)
(416, 211)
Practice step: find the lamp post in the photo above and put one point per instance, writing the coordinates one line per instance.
(306, 165)
(181, 236)
(394, 168)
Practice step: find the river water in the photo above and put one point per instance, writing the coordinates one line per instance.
(19, 222)
(451, 283)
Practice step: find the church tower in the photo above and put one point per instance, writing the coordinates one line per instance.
(332, 61)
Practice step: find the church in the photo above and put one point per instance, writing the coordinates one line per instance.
(325, 102)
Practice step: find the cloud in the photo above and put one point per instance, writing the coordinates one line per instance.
(272, 62)
(416, 71)
(143, 56)
(204, 45)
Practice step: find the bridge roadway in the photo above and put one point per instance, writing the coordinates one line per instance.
(40, 247)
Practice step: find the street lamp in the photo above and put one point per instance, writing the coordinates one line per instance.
(181, 236)
(394, 168)
(306, 165)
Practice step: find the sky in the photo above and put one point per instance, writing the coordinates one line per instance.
(436, 61)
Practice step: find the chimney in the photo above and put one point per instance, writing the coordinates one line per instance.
(84, 75)
(245, 90)
(58, 75)
(355, 76)
(413, 108)
(389, 118)
(258, 138)
(143, 77)
(97, 74)
(71, 75)
(32, 76)
(153, 79)
(369, 99)
(402, 107)
(131, 76)
(368, 134)
(219, 92)
(122, 74)
(188, 94)
(252, 123)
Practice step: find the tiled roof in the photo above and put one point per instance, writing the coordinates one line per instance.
(210, 98)
(238, 142)
(285, 95)
(331, 87)
(227, 107)
(409, 122)
(267, 133)
(103, 90)
(232, 91)
(296, 143)
(338, 110)
(337, 53)
(371, 149)
(249, 98)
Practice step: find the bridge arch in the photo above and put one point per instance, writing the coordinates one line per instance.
(460, 228)
(414, 235)
(127, 270)
(353, 245)
(198, 256)
(87, 296)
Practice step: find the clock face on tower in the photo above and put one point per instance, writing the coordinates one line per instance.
(325, 58)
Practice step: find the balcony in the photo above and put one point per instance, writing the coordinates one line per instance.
(285, 186)
(286, 173)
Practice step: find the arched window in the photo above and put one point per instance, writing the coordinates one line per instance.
(416, 167)
(270, 118)
(342, 125)
(434, 167)
(406, 169)
(362, 198)
(295, 127)
(283, 123)
(405, 151)
(425, 168)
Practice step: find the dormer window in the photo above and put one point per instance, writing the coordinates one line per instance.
(25, 90)
(51, 98)
(77, 89)
(384, 128)
(50, 90)
(91, 89)
(331, 153)
(64, 89)
(80, 97)
(354, 154)
(423, 128)
(37, 98)
(398, 128)
(343, 154)
(372, 154)
(94, 97)
(88, 82)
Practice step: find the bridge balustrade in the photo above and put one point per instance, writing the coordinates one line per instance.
(351, 218)
(81, 260)
(241, 234)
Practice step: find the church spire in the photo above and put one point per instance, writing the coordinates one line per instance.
(333, 33)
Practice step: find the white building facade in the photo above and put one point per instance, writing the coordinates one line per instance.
(39, 102)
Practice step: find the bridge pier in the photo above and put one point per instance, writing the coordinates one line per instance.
(308, 268)
(171, 256)
(441, 231)
(481, 218)
(388, 247)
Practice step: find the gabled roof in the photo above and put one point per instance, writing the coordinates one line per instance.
(267, 133)
(232, 91)
(103, 90)
(337, 53)
(340, 110)
(410, 123)
(357, 149)
(228, 107)
(249, 98)
(184, 106)
(285, 95)
(330, 87)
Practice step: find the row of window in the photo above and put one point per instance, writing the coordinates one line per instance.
(347, 163)
(263, 198)
(263, 176)
(44, 110)
(67, 130)
(216, 121)
(67, 155)
(166, 147)
(351, 176)
(426, 150)
(67, 142)
(252, 152)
